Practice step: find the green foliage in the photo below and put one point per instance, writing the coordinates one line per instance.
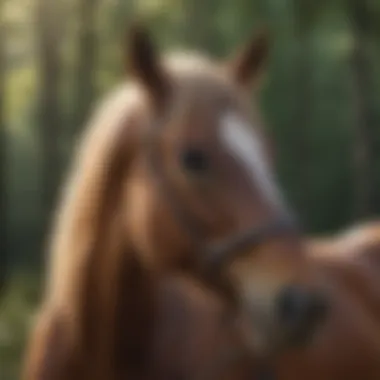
(16, 315)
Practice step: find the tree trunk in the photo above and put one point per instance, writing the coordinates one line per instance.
(4, 246)
(363, 156)
(304, 105)
(84, 86)
(49, 40)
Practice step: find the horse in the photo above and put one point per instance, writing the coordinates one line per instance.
(171, 175)
(195, 339)
(346, 346)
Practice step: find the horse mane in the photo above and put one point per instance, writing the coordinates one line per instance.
(84, 197)
(88, 249)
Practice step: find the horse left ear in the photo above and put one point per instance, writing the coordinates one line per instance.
(247, 66)
(144, 63)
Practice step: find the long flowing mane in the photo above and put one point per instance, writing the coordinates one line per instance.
(88, 190)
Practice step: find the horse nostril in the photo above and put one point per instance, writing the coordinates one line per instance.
(290, 305)
(319, 306)
(300, 308)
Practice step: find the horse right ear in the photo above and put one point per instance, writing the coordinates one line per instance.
(247, 65)
(144, 63)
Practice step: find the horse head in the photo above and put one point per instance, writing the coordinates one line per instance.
(173, 173)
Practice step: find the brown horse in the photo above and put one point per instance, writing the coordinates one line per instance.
(195, 340)
(171, 175)
(347, 345)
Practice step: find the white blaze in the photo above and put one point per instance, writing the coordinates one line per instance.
(244, 144)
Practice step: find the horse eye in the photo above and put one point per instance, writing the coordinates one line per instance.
(195, 160)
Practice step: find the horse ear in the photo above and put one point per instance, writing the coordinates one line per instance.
(247, 65)
(144, 63)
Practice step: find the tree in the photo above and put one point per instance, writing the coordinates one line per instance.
(3, 172)
(364, 154)
(49, 40)
(199, 29)
(304, 15)
(86, 58)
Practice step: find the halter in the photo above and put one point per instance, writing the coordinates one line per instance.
(214, 254)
